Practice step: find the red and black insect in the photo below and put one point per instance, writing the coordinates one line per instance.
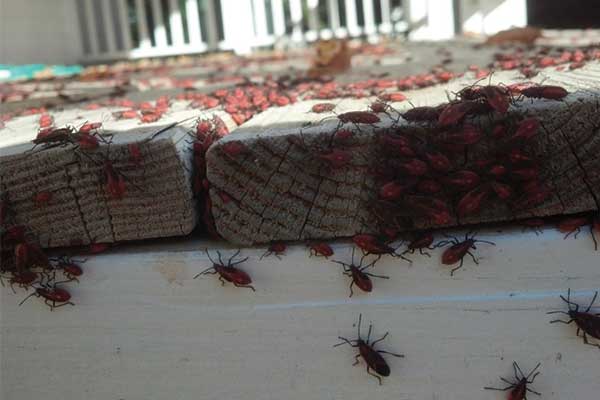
(459, 249)
(587, 322)
(228, 271)
(359, 277)
(544, 92)
(52, 295)
(320, 249)
(518, 388)
(23, 279)
(572, 225)
(421, 242)
(275, 248)
(367, 351)
(70, 267)
(371, 244)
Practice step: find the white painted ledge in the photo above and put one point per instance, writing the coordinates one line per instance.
(144, 329)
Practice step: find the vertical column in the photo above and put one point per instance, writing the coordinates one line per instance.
(296, 13)
(193, 22)
(124, 22)
(91, 25)
(351, 18)
(238, 29)
(386, 17)
(142, 26)
(176, 23)
(160, 32)
(211, 24)
(109, 31)
(278, 17)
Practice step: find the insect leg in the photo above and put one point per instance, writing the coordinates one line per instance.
(585, 340)
(562, 322)
(25, 299)
(63, 304)
(351, 291)
(473, 257)
(532, 373)
(356, 359)
(377, 276)
(222, 281)
(245, 286)
(238, 262)
(506, 381)
(206, 272)
(376, 376)
(515, 368)
(462, 260)
(534, 392)
(369, 334)
(391, 354)
(12, 287)
(424, 253)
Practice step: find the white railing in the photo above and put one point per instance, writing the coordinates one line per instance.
(129, 29)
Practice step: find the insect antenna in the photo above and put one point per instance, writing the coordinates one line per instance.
(345, 341)
(592, 302)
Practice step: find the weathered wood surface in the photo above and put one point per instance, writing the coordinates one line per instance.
(158, 200)
(142, 328)
(281, 191)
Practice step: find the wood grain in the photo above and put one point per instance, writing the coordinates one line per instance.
(281, 190)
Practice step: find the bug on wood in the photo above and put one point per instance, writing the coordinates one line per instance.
(423, 241)
(544, 92)
(518, 388)
(320, 249)
(322, 107)
(115, 183)
(586, 322)
(472, 201)
(422, 114)
(42, 198)
(367, 351)
(135, 153)
(54, 136)
(359, 277)
(275, 248)
(228, 271)
(52, 295)
(371, 244)
(459, 250)
(526, 129)
(358, 117)
(69, 267)
(571, 225)
(23, 279)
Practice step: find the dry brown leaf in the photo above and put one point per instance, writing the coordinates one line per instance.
(330, 57)
(527, 35)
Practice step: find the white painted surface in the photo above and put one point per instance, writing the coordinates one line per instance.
(144, 329)
(491, 16)
(39, 31)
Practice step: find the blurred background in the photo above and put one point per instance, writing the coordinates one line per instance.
(91, 31)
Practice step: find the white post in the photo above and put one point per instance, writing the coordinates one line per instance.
(386, 20)
(124, 22)
(278, 17)
(238, 29)
(90, 20)
(176, 23)
(296, 14)
(260, 18)
(351, 18)
(193, 22)
(436, 17)
(160, 32)
(313, 19)
(369, 15)
(211, 24)
(108, 28)
(140, 14)
(333, 13)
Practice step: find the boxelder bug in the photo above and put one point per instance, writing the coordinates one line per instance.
(228, 272)
(459, 250)
(51, 295)
(518, 388)
(359, 277)
(371, 244)
(423, 241)
(320, 249)
(276, 248)
(587, 322)
(367, 351)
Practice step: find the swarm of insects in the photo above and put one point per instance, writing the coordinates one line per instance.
(518, 388)
(228, 271)
(588, 324)
(369, 354)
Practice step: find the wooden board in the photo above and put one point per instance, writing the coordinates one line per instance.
(143, 328)
(281, 190)
(158, 201)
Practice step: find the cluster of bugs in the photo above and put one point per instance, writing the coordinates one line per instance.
(24, 265)
(441, 167)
